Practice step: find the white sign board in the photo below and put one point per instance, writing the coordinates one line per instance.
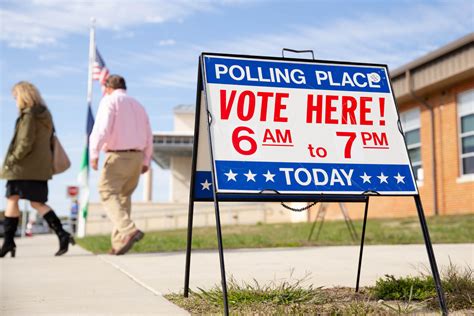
(301, 127)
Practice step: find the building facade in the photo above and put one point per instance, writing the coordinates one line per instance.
(435, 99)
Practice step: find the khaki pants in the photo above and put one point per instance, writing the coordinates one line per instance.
(118, 180)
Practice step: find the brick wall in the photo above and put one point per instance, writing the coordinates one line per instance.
(455, 195)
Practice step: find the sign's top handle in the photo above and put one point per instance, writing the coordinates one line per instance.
(296, 51)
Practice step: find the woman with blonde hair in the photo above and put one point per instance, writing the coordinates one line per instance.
(29, 165)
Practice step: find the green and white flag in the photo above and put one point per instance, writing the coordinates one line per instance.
(83, 177)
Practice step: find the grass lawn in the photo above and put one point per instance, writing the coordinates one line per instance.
(389, 296)
(443, 229)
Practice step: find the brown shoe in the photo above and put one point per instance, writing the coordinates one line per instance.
(111, 251)
(129, 241)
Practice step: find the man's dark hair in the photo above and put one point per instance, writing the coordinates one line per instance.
(115, 82)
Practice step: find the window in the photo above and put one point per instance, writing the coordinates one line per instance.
(466, 131)
(411, 127)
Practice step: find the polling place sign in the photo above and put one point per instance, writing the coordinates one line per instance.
(303, 127)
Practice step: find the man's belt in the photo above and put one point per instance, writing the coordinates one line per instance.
(124, 151)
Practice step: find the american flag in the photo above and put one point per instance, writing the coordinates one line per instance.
(99, 70)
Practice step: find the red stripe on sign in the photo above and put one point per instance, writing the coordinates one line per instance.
(280, 145)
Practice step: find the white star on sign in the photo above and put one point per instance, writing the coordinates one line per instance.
(250, 176)
(383, 178)
(399, 178)
(206, 185)
(231, 176)
(269, 176)
(366, 178)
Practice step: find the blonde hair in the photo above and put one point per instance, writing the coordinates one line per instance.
(27, 95)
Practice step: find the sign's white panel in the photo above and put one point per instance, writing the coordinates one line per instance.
(302, 128)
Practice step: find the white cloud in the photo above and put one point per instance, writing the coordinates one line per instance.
(124, 35)
(176, 54)
(55, 71)
(168, 42)
(180, 78)
(28, 24)
(52, 99)
(49, 55)
(394, 38)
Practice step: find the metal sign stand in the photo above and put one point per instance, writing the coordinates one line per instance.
(219, 197)
(322, 214)
(429, 249)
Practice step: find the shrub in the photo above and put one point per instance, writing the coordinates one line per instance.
(457, 283)
(391, 288)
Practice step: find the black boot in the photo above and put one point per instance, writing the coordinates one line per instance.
(64, 237)
(10, 224)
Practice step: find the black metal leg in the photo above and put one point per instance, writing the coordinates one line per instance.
(351, 229)
(314, 223)
(312, 229)
(188, 248)
(319, 228)
(362, 243)
(193, 179)
(221, 257)
(431, 256)
(349, 224)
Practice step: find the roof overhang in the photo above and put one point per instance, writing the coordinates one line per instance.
(171, 144)
(444, 67)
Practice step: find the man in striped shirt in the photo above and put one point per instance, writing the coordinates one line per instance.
(122, 130)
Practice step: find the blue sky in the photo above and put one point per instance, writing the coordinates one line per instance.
(155, 45)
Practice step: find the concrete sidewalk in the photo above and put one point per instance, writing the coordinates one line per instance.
(322, 266)
(36, 282)
(77, 283)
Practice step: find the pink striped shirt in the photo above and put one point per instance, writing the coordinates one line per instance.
(121, 124)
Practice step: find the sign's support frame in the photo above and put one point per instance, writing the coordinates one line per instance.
(431, 256)
(322, 210)
(218, 222)
(192, 200)
(362, 239)
(193, 181)
(429, 249)
(217, 197)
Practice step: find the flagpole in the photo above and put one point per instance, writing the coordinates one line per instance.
(84, 173)
(91, 62)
